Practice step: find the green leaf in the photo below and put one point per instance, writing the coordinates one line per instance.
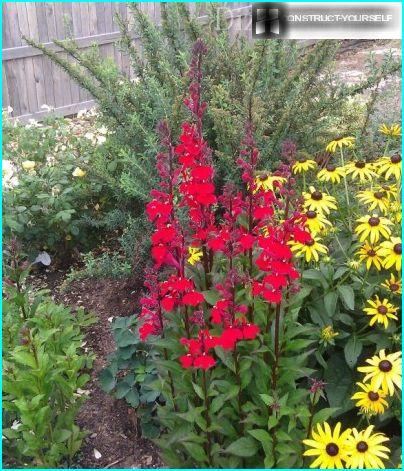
(352, 350)
(132, 397)
(122, 389)
(347, 296)
(323, 414)
(339, 272)
(261, 435)
(330, 303)
(315, 275)
(198, 390)
(211, 296)
(196, 451)
(244, 447)
(107, 380)
(340, 380)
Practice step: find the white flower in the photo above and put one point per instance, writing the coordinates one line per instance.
(33, 123)
(9, 109)
(103, 130)
(9, 179)
(101, 140)
(46, 107)
(89, 136)
(81, 113)
(16, 425)
(97, 454)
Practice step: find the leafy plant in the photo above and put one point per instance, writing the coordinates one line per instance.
(42, 373)
(131, 372)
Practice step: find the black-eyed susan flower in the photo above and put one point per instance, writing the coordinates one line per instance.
(303, 165)
(268, 182)
(310, 250)
(394, 130)
(331, 173)
(319, 201)
(380, 311)
(393, 285)
(339, 143)
(374, 200)
(329, 447)
(370, 254)
(373, 227)
(195, 255)
(365, 449)
(360, 170)
(370, 401)
(316, 222)
(391, 251)
(384, 371)
(390, 166)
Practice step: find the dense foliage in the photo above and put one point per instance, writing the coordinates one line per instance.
(285, 90)
(265, 306)
(43, 376)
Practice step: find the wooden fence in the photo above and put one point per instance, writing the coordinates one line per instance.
(31, 80)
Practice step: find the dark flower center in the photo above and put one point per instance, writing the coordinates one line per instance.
(382, 310)
(330, 168)
(385, 366)
(378, 195)
(374, 221)
(360, 164)
(371, 253)
(302, 160)
(317, 195)
(263, 177)
(311, 214)
(362, 447)
(310, 242)
(395, 159)
(332, 449)
(397, 249)
(394, 287)
(373, 396)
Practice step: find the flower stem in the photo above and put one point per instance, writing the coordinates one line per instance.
(346, 191)
(208, 445)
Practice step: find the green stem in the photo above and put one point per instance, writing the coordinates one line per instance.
(346, 191)
(208, 445)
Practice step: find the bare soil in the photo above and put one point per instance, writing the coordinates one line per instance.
(111, 424)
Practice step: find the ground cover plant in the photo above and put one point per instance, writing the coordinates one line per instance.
(275, 313)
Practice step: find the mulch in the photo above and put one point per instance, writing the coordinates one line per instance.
(110, 423)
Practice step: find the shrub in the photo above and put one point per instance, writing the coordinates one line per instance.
(42, 373)
(286, 91)
(261, 309)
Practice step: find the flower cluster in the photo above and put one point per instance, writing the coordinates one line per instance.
(248, 231)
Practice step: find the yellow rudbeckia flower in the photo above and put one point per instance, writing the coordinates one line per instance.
(331, 173)
(369, 400)
(384, 371)
(329, 447)
(381, 311)
(268, 182)
(316, 222)
(390, 166)
(374, 200)
(393, 285)
(303, 165)
(391, 251)
(360, 170)
(371, 255)
(340, 142)
(310, 250)
(394, 130)
(373, 227)
(365, 449)
(318, 201)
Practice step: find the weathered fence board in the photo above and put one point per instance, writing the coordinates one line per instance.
(31, 80)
